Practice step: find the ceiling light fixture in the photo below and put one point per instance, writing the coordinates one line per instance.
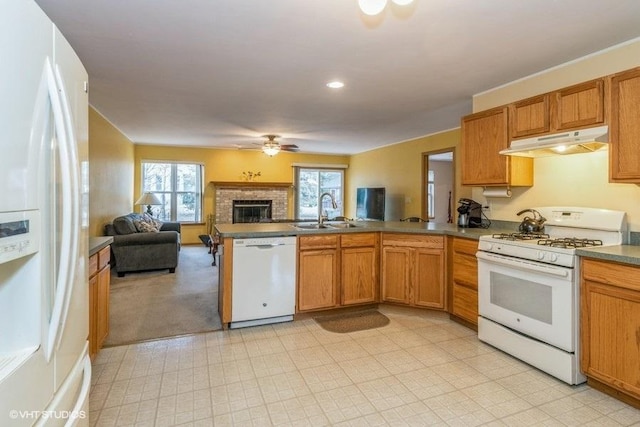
(374, 7)
(335, 84)
(271, 148)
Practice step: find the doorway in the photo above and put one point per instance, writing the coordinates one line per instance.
(438, 185)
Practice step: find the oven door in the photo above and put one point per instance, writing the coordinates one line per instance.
(535, 299)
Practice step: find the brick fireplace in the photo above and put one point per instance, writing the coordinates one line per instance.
(228, 192)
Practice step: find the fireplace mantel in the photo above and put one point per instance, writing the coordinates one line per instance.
(250, 184)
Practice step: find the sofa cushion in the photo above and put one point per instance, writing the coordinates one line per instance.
(124, 224)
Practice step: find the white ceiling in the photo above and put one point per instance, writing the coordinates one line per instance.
(224, 72)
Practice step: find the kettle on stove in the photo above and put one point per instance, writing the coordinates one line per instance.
(532, 225)
(469, 213)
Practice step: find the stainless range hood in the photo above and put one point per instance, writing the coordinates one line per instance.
(572, 142)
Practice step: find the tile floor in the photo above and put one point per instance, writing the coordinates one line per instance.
(421, 369)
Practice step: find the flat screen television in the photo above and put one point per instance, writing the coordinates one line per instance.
(370, 203)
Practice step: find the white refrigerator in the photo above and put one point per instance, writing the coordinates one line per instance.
(45, 371)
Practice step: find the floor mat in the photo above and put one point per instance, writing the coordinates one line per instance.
(352, 322)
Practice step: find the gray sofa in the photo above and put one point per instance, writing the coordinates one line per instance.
(138, 251)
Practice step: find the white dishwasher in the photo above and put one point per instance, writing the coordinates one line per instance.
(263, 281)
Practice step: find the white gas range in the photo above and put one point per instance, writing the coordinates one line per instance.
(528, 287)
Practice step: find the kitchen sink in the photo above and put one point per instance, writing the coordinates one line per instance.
(310, 226)
(342, 225)
(316, 226)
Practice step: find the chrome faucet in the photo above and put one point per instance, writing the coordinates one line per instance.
(321, 217)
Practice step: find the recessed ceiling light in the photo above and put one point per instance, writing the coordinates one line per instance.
(335, 84)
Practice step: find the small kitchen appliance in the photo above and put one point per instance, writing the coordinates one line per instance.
(469, 214)
(532, 225)
(529, 287)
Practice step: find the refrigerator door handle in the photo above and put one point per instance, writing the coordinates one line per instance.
(68, 241)
(74, 200)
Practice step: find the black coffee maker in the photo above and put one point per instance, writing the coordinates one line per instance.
(469, 213)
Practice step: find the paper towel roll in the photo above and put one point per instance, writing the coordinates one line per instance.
(497, 192)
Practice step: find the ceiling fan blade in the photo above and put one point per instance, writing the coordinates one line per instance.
(289, 147)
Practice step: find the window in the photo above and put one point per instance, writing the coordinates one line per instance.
(179, 186)
(310, 184)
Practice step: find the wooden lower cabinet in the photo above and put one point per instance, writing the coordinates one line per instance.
(359, 268)
(413, 270)
(610, 328)
(99, 289)
(317, 272)
(464, 280)
(337, 270)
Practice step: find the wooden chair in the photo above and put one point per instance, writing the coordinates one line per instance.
(414, 219)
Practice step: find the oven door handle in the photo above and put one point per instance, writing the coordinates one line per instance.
(523, 264)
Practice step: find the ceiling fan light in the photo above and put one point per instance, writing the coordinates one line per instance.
(402, 2)
(372, 7)
(271, 150)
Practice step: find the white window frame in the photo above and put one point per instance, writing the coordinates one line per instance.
(297, 168)
(199, 193)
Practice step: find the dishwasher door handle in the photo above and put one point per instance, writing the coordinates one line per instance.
(269, 246)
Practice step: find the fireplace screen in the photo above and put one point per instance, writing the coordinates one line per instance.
(251, 211)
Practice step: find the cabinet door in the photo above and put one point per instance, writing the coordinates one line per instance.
(359, 275)
(317, 279)
(396, 278)
(579, 106)
(625, 127)
(483, 136)
(102, 305)
(93, 298)
(529, 117)
(610, 328)
(465, 280)
(428, 283)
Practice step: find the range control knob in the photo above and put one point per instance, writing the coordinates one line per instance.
(489, 246)
(540, 255)
(553, 257)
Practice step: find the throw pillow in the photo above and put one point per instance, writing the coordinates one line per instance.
(145, 227)
(151, 220)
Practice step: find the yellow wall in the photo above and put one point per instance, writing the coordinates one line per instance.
(398, 168)
(228, 165)
(110, 173)
(574, 180)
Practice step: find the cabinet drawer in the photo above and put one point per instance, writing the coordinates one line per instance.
(412, 240)
(465, 246)
(104, 256)
(318, 241)
(93, 264)
(465, 270)
(358, 240)
(623, 276)
(465, 303)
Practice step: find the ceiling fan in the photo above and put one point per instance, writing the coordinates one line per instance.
(273, 147)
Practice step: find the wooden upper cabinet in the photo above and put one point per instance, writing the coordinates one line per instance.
(624, 127)
(578, 106)
(529, 117)
(484, 135)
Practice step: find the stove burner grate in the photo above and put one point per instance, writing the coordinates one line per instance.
(520, 236)
(569, 242)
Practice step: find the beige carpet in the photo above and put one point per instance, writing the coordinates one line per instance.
(158, 304)
(352, 322)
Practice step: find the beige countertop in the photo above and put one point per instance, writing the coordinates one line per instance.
(98, 242)
(627, 254)
(253, 230)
